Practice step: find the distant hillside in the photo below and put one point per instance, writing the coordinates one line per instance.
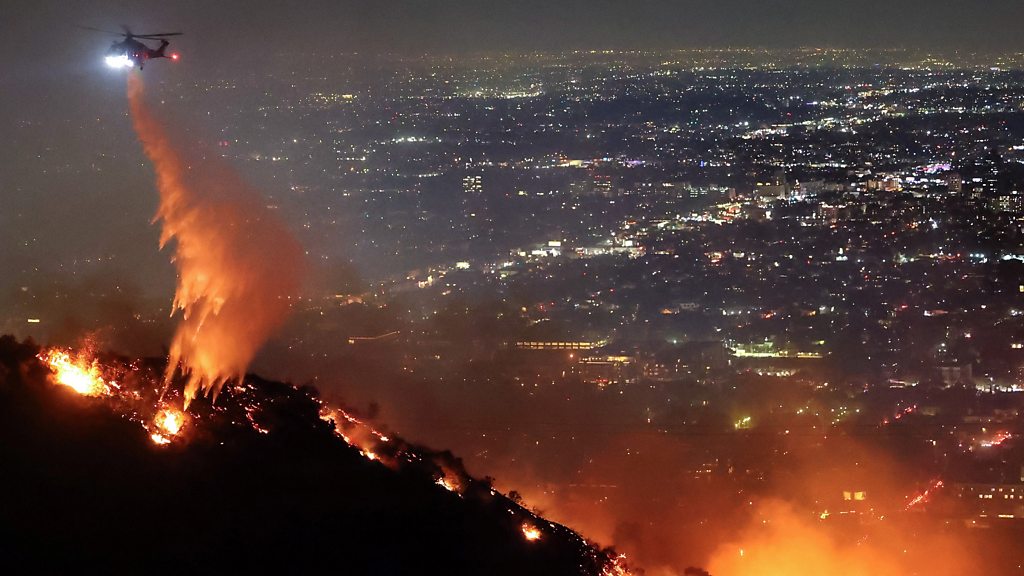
(85, 488)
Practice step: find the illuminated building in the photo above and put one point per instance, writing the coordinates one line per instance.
(559, 345)
(993, 502)
(606, 370)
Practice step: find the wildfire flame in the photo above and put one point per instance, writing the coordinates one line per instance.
(531, 533)
(84, 374)
(356, 433)
(616, 567)
(159, 438)
(447, 484)
(924, 496)
(451, 480)
(996, 440)
(78, 373)
(170, 421)
(238, 267)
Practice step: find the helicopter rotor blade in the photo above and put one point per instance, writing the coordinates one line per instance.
(157, 35)
(101, 30)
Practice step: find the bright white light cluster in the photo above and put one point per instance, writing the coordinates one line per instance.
(119, 61)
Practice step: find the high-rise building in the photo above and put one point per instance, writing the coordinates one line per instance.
(476, 218)
(775, 187)
(954, 182)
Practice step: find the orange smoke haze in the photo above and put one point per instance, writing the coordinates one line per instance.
(625, 484)
(238, 266)
(782, 542)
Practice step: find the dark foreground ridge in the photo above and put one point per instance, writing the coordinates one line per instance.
(85, 488)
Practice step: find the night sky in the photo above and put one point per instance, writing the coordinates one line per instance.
(35, 33)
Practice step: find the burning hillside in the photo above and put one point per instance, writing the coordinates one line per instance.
(104, 471)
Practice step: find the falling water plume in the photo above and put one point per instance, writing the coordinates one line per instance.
(239, 269)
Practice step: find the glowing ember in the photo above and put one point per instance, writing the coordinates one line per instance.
(80, 374)
(531, 533)
(250, 415)
(900, 414)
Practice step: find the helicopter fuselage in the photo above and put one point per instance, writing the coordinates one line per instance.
(131, 52)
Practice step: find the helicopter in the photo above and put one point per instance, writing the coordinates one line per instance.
(130, 52)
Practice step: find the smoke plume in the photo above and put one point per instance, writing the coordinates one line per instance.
(779, 541)
(238, 266)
